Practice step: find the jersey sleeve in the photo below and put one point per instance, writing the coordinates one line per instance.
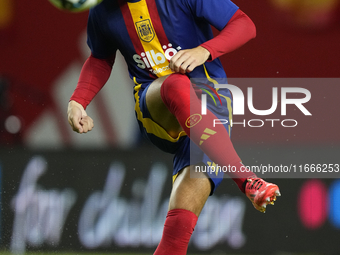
(215, 12)
(101, 46)
(239, 30)
(93, 76)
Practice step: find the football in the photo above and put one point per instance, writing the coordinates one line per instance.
(74, 5)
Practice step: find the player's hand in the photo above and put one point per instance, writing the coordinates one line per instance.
(185, 61)
(78, 119)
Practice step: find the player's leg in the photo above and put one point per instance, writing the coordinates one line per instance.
(172, 102)
(190, 191)
(159, 111)
(187, 200)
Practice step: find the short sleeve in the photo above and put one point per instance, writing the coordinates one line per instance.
(101, 46)
(216, 12)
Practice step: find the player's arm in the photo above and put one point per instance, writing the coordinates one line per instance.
(238, 31)
(94, 75)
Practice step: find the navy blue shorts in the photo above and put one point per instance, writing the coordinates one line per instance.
(185, 152)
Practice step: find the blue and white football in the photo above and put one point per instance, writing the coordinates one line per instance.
(75, 5)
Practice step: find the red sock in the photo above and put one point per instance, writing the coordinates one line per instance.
(180, 98)
(178, 228)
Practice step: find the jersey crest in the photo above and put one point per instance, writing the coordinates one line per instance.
(145, 30)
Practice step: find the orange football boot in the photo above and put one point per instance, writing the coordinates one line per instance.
(261, 193)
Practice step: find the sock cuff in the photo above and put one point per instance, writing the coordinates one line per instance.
(179, 211)
(186, 217)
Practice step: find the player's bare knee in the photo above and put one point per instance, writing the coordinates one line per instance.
(158, 110)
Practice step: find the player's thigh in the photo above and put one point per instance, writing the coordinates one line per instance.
(190, 190)
(158, 111)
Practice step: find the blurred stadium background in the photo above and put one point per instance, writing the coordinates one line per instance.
(106, 192)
